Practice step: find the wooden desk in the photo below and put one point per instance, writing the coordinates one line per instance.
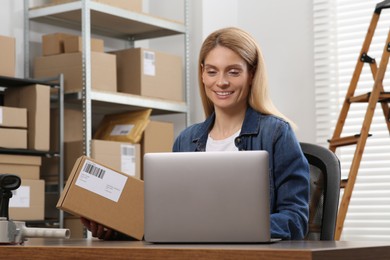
(36, 248)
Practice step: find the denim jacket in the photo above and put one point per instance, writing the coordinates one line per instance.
(288, 168)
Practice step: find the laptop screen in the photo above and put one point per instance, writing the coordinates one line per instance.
(196, 197)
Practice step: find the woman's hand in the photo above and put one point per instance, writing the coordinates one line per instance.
(98, 230)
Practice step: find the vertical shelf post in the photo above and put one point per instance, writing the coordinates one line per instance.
(187, 61)
(61, 176)
(87, 80)
(26, 40)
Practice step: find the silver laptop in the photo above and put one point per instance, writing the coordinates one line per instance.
(207, 197)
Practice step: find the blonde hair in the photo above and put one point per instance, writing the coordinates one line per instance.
(246, 47)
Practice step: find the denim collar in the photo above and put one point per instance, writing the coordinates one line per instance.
(249, 127)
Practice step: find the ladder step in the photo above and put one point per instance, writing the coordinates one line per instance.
(343, 183)
(383, 97)
(347, 140)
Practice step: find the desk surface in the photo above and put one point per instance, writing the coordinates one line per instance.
(38, 248)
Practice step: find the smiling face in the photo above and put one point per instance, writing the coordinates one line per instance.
(226, 79)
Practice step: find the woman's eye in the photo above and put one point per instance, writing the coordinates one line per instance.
(211, 72)
(234, 72)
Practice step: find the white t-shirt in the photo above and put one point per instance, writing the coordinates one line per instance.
(226, 144)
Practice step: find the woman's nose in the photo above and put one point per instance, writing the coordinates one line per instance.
(222, 82)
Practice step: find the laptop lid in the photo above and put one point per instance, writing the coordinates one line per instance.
(207, 197)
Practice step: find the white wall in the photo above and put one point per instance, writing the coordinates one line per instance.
(283, 29)
(11, 24)
(284, 32)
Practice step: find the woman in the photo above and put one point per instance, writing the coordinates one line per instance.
(241, 116)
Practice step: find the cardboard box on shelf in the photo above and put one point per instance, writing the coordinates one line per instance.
(24, 166)
(13, 138)
(28, 201)
(103, 70)
(97, 192)
(73, 150)
(73, 145)
(133, 5)
(13, 117)
(124, 157)
(150, 73)
(53, 44)
(36, 99)
(123, 127)
(73, 125)
(7, 56)
(75, 44)
(158, 137)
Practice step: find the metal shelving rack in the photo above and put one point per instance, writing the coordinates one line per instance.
(58, 100)
(93, 17)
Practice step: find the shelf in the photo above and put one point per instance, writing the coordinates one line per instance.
(107, 21)
(27, 152)
(21, 82)
(106, 102)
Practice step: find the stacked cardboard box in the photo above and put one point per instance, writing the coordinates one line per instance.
(13, 127)
(137, 128)
(62, 53)
(124, 157)
(123, 154)
(150, 73)
(7, 56)
(26, 111)
(158, 137)
(59, 43)
(73, 136)
(27, 202)
(25, 166)
(13, 121)
(36, 99)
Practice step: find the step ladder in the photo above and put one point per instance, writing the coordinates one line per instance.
(372, 98)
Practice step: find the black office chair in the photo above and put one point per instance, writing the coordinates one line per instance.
(325, 177)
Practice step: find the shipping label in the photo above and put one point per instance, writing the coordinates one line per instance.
(20, 198)
(149, 63)
(128, 159)
(121, 130)
(101, 180)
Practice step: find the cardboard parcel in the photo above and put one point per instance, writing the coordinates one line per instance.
(124, 127)
(111, 198)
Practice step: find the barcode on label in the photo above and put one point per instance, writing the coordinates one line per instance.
(127, 150)
(94, 170)
(149, 55)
